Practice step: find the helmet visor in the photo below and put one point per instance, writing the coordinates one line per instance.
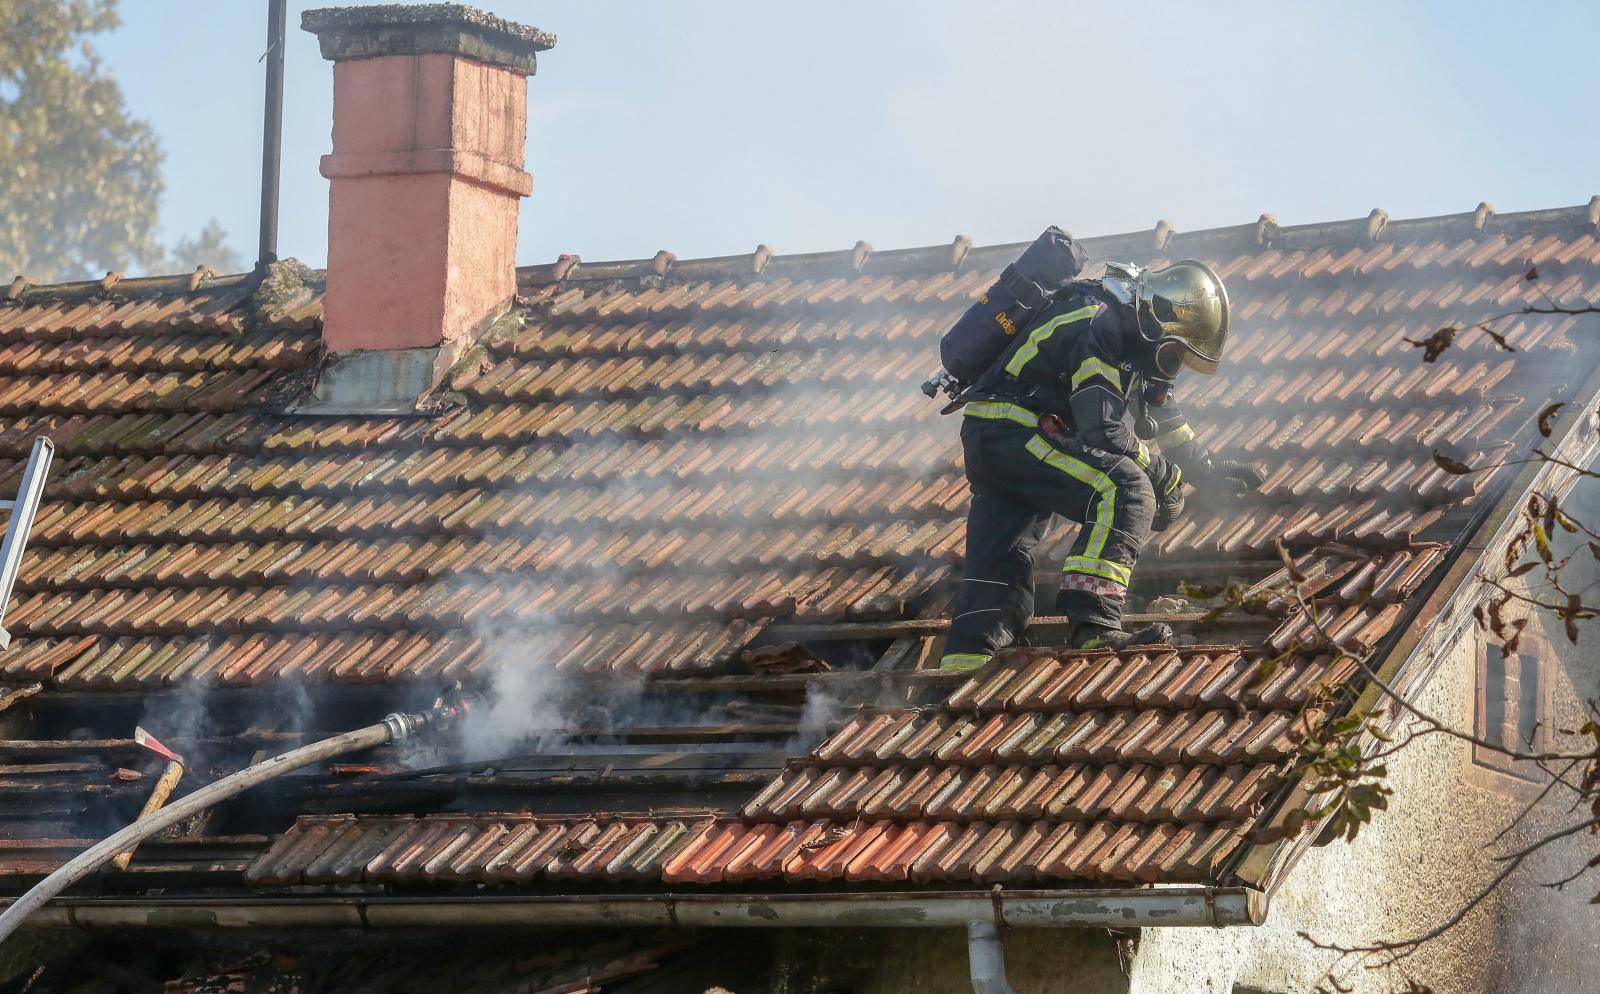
(1173, 354)
(1203, 353)
(1200, 365)
(1187, 305)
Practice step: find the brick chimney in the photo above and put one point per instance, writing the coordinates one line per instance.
(429, 120)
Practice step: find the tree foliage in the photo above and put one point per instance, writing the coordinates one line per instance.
(80, 177)
(209, 248)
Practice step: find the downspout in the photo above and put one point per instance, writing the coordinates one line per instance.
(986, 959)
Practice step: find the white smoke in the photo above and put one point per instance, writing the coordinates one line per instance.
(531, 706)
(823, 709)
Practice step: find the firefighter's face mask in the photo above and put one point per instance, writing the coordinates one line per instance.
(1182, 311)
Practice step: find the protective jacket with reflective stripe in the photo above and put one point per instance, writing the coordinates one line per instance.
(1080, 361)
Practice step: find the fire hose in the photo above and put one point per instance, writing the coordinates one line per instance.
(396, 727)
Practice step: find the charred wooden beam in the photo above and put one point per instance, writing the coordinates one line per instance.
(901, 654)
(645, 789)
(12, 695)
(800, 682)
(919, 627)
(731, 732)
(1178, 569)
(376, 698)
(45, 769)
(67, 747)
(25, 791)
(214, 854)
(690, 759)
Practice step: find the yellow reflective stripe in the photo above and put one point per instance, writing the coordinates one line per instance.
(1177, 436)
(1093, 366)
(1037, 336)
(963, 660)
(1142, 457)
(1083, 473)
(1103, 568)
(1177, 480)
(996, 410)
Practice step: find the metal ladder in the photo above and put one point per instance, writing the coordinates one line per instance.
(22, 509)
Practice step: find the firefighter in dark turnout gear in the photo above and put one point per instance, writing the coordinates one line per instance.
(1049, 430)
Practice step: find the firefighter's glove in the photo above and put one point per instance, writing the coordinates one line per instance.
(1169, 499)
(1055, 429)
(1241, 476)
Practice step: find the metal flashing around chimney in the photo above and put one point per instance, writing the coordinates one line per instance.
(370, 382)
(396, 381)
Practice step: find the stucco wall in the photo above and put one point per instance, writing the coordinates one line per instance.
(1408, 870)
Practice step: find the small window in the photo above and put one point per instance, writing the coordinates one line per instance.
(1512, 705)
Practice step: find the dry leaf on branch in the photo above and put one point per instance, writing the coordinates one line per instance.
(1547, 417)
(1434, 345)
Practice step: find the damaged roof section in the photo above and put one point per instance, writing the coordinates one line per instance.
(1043, 768)
(671, 456)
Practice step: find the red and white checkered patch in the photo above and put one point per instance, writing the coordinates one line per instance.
(1093, 584)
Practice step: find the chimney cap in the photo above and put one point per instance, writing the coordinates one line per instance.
(416, 29)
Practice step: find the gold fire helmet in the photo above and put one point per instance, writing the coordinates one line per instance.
(1183, 311)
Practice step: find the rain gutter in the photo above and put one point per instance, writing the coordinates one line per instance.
(1142, 908)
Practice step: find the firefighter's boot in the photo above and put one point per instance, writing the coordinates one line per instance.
(1088, 636)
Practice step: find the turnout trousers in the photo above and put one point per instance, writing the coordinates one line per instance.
(1020, 478)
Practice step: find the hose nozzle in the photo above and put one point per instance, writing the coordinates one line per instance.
(452, 704)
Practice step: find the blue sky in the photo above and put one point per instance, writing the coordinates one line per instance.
(707, 126)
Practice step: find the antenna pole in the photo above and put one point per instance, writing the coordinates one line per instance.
(272, 135)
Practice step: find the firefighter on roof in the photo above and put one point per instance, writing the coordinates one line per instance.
(1050, 429)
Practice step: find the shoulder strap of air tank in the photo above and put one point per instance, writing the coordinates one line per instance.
(1092, 288)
